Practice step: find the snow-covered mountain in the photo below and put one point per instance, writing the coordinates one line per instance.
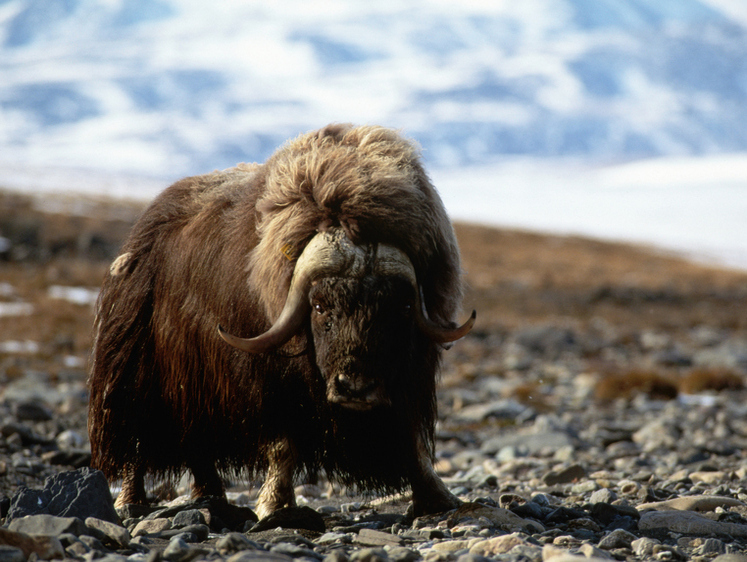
(170, 87)
(529, 111)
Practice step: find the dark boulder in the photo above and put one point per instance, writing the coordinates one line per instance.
(77, 493)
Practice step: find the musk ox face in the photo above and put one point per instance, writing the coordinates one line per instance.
(359, 295)
(363, 331)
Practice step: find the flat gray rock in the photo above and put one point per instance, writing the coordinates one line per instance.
(690, 523)
(51, 525)
(691, 503)
(108, 531)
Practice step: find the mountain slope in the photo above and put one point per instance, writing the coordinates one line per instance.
(169, 88)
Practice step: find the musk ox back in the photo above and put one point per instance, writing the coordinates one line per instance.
(281, 318)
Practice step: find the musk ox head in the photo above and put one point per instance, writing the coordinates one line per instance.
(364, 306)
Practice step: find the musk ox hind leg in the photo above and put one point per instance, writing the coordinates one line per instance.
(207, 482)
(133, 487)
(277, 490)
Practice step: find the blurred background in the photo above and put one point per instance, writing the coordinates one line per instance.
(618, 119)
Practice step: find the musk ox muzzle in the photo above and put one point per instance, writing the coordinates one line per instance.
(332, 254)
(356, 392)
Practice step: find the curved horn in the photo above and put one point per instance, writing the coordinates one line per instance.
(327, 253)
(441, 334)
(391, 260)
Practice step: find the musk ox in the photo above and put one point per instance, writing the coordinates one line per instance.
(283, 318)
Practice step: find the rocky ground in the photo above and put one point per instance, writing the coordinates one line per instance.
(597, 410)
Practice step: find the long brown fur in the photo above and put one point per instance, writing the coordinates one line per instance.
(168, 394)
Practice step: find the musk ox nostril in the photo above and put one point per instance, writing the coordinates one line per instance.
(350, 386)
(344, 384)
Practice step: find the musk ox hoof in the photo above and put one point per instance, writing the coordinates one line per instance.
(430, 506)
(222, 514)
(292, 518)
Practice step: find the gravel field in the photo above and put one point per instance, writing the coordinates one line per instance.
(597, 411)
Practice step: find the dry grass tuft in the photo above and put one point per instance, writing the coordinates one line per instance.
(531, 394)
(703, 380)
(626, 385)
(666, 386)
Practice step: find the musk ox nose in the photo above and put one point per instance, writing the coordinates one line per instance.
(353, 387)
(356, 393)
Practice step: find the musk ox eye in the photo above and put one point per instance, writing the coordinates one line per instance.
(408, 307)
(319, 308)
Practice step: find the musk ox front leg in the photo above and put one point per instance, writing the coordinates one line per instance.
(429, 493)
(277, 491)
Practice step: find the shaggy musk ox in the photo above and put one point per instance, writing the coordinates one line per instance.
(282, 318)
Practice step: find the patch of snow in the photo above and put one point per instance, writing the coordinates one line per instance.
(19, 347)
(77, 295)
(697, 207)
(7, 290)
(9, 309)
(73, 362)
